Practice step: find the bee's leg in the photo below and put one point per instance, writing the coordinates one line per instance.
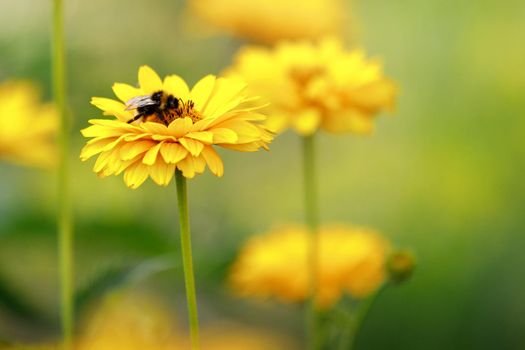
(138, 116)
(160, 115)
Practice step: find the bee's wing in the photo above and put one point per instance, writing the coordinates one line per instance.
(139, 101)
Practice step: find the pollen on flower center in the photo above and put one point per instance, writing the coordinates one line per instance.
(188, 110)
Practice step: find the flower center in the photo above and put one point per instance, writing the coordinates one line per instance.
(187, 110)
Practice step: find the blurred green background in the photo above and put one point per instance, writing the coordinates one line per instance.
(443, 176)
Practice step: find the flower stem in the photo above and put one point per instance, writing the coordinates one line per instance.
(187, 260)
(312, 220)
(65, 230)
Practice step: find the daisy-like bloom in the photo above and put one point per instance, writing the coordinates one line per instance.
(27, 126)
(127, 320)
(316, 85)
(130, 321)
(269, 21)
(163, 125)
(350, 261)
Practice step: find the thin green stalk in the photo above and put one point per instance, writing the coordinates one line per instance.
(65, 230)
(355, 323)
(187, 260)
(312, 220)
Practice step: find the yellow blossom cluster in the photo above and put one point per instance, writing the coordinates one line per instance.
(350, 260)
(268, 21)
(27, 126)
(313, 86)
(136, 321)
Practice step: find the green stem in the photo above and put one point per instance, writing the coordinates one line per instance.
(312, 220)
(187, 260)
(65, 230)
(349, 334)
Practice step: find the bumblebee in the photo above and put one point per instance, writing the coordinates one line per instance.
(158, 107)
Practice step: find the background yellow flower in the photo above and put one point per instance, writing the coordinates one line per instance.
(351, 260)
(316, 85)
(127, 320)
(214, 112)
(27, 126)
(268, 21)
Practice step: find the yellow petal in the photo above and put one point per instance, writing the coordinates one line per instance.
(194, 147)
(205, 137)
(201, 92)
(151, 156)
(375, 96)
(246, 131)
(213, 160)
(307, 122)
(126, 92)
(100, 131)
(102, 160)
(223, 135)
(225, 91)
(162, 173)
(155, 128)
(180, 127)
(244, 147)
(132, 149)
(149, 80)
(199, 163)
(91, 149)
(352, 120)
(176, 86)
(112, 107)
(187, 167)
(135, 175)
(172, 152)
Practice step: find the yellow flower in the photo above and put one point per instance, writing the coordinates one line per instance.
(27, 127)
(126, 320)
(179, 133)
(268, 21)
(312, 86)
(350, 260)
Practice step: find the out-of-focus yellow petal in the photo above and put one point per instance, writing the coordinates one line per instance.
(306, 122)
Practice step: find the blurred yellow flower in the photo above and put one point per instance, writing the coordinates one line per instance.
(350, 260)
(27, 127)
(316, 85)
(174, 128)
(268, 21)
(127, 320)
(130, 321)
